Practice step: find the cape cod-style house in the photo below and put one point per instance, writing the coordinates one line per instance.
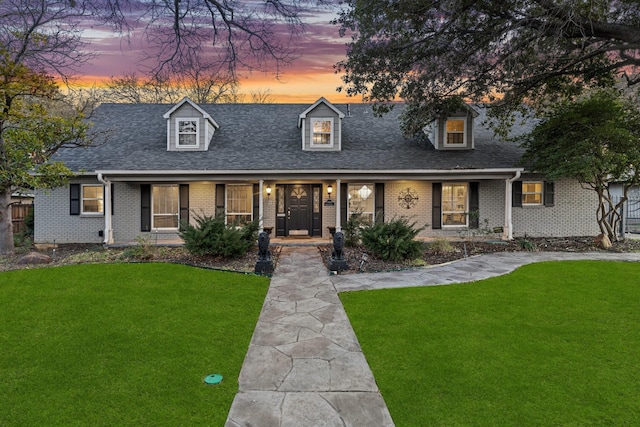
(300, 170)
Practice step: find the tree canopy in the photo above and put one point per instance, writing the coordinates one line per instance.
(507, 53)
(40, 39)
(595, 140)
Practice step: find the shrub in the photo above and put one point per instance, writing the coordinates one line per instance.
(441, 246)
(28, 224)
(353, 229)
(144, 250)
(211, 236)
(393, 241)
(527, 245)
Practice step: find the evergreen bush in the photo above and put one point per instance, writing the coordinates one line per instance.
(394, 240)
(353, 229)
(211, 236)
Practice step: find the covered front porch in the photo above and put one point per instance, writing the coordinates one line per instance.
(302, 207)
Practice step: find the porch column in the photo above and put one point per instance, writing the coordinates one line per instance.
(507, 233)
(108, 220)
(261, 208)
(338, 211)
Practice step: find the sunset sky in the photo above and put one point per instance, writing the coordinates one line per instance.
(310, 76)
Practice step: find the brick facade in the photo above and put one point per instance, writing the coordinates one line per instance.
(573, 213)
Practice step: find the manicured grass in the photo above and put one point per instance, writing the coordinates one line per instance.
(554, 343)
(123, 344)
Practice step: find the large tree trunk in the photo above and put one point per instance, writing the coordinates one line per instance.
(6, 227)
(608, 214)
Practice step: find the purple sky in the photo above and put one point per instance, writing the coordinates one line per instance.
(310, 76)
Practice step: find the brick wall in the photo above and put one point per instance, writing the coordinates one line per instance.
(574, 214)
(52, 221)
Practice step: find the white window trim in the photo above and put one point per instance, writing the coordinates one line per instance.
(464, 132)
(331, 134)
(82, 199)
(227, 212)
(541, 193)
(466, 210)
(372, 186)
(153, 214)
(177, 133)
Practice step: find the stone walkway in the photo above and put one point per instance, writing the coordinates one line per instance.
(304, 366)
(466, 270)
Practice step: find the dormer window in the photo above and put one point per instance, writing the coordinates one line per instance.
(189, 127)
(321, 127)
(187, 132)
(322, 132)
(455, 132)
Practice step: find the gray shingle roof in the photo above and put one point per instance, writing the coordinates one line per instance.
(266, 136)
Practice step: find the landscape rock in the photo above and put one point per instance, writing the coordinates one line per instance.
(34, 258)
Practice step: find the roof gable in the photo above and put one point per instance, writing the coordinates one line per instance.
(322, 100)
(186, 100)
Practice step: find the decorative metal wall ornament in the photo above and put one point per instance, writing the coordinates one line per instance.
(408, 198)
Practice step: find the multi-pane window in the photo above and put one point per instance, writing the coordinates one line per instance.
(532, 193)
(92, 199)
(361, 201)
(187, 132)
(166, 206)
(321, 132)
(454, 204)
(239, 203)
(455, 132)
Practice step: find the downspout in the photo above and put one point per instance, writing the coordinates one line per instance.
(508, 207)
(108, 225)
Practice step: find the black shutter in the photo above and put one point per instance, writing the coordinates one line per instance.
(112, 208)
(549, 194)
(219, 199)
(436, 205)
(516, 194)
(74, 199)
(379, 201)
(474, 205)
(256, 202)
(184, 203)
(344, 200)
(145, 207)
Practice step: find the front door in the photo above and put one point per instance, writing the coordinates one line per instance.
(298, 211)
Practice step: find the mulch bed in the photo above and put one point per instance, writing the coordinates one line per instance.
(437, 252)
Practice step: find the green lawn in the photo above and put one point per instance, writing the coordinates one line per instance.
(123, 344)
(554, 343)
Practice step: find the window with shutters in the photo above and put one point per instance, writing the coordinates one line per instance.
(165, 202)
(532, 194)
(92, 200)
(239, 203)
(455, 203)
(361, 199)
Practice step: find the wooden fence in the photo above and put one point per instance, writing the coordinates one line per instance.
(18, 213)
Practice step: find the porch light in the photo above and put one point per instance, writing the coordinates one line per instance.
(364, 192)
(268, 191)
(329, 191)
